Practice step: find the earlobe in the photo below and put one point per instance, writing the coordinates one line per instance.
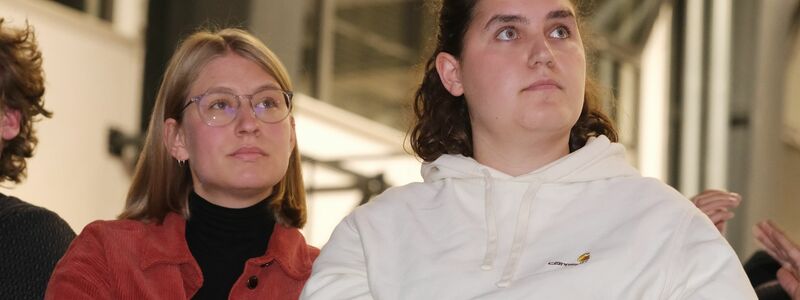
(175, 140)
(10, 123)
(449, 70)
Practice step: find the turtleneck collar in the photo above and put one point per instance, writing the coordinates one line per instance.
(222, 239)
(253, 219)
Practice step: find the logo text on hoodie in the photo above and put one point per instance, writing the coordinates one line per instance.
(581, 259)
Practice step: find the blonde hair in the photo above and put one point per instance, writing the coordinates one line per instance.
(161, 185)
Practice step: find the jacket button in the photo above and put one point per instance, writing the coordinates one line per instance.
(252, 282)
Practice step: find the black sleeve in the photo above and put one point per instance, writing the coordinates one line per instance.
(32, 240)
(761, 268)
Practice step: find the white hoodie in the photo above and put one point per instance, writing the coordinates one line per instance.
(586, 226)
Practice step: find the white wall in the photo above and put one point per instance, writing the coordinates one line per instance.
(93, 82)
(791, 111)
(775, 166)
(654, 103)
(325, 132)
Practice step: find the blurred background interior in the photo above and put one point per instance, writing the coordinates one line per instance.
(706, 94)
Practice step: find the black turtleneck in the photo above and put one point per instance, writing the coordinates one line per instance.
(222, 239)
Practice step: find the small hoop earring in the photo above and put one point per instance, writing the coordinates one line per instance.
(180, 162)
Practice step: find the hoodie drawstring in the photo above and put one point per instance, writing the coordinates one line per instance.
(491, 224)
(520, 233)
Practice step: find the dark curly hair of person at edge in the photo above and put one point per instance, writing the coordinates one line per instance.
(33, 238)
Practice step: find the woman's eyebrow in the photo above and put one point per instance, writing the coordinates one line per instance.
(505, 19)
(218, 89)
(556, 14)
(268, 86)
(560, 14)
(225, 89)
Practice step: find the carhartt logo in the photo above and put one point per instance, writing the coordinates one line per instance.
(581, 259)
(584, 257)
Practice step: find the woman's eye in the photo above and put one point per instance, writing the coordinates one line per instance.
(219, 105)
(507, 34)
(560, 32)
(220, 102)
(266, 103)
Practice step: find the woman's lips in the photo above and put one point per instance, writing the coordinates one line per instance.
(248, 153)
(544, 84)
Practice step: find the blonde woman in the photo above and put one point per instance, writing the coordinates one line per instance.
(217, 197)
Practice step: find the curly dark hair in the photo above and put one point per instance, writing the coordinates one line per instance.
(21, 88)
(442, 123)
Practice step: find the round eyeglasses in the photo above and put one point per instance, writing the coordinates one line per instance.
(221, 108)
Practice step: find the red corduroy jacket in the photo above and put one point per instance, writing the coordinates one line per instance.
(128, 259)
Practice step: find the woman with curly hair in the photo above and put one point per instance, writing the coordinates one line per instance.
(32, 238)
(527, 195)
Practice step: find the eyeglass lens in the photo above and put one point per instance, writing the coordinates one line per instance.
(270, 106)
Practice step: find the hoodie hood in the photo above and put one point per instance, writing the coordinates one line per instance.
(598, 159)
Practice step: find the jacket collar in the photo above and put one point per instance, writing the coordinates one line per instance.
(166, 244)
(288, 248)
